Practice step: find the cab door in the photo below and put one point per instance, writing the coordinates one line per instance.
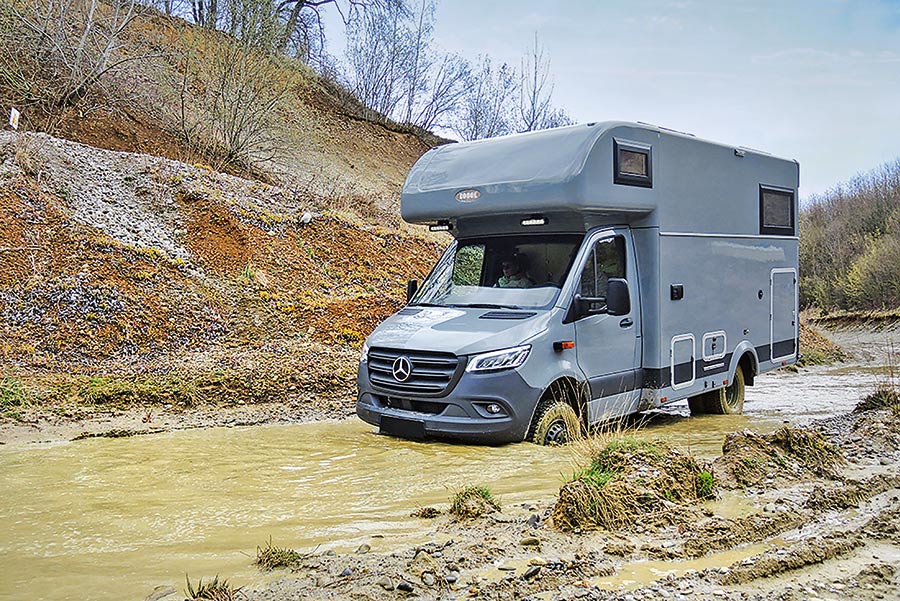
(607, 346)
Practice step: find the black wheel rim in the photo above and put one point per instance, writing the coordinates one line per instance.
(557, 433)
(731, 393)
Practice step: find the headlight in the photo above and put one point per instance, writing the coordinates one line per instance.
(496, 360)
(364, 356)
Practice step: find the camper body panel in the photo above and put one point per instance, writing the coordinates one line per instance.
(725, 305)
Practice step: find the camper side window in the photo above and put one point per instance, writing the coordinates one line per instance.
(776, 211)
(606, 260)
(632, 164)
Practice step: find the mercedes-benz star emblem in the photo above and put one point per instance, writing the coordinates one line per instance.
(402, 368)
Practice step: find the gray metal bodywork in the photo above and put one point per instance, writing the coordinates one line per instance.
(696, 228)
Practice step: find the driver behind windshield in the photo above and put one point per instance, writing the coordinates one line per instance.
(514, 275)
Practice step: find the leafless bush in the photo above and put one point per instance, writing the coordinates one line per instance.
(850, 244)
(229, 100)
(56, 54)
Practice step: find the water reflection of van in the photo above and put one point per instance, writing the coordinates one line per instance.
(597, 270)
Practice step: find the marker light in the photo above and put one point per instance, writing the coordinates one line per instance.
(440, 226)
(534, 220)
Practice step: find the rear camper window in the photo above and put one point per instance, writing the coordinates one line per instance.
(776, 212)
(632, 166)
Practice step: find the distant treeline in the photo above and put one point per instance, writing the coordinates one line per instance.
(850, 244)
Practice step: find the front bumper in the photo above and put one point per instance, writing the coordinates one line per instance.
(460, 414)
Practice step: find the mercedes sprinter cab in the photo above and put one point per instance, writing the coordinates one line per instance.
(596, 270)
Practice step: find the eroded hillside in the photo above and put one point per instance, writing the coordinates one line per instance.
(131, 279)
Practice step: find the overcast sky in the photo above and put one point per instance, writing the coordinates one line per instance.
(813, 80)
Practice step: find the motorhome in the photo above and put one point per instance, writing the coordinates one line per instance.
(595, 271)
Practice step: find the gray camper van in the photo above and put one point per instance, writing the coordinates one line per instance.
(596, 270)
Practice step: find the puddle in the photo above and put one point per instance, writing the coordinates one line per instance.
(110, 519)
(632, 575)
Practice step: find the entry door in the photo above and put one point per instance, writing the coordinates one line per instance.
(606, 344)
(783, 314)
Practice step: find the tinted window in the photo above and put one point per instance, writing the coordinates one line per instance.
(776, 212)
(632, 164)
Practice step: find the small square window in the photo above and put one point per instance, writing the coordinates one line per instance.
(776, 212)
(632, 164)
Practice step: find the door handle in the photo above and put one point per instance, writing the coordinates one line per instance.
(626, 323)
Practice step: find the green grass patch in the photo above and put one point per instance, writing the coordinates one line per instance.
(13, 397)
(706, 485)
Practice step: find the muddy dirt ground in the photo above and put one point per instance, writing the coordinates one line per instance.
(794, 533)
(780, 527)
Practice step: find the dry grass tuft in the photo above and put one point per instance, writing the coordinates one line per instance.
(629, 479)
(749, 458)
(214, 590)
(271, 557)
(426, 513)
(473, 502)
(816, 349)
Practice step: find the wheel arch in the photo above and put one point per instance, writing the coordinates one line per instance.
(744, 358)
(578, 400)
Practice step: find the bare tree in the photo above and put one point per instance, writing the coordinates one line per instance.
(446, 88)
(393, 69)
(60, 50)
(536, 93)
(487, 106)
(378, 53)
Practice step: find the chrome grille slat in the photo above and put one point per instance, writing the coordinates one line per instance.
(431, 373)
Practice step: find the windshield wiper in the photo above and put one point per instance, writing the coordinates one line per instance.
(488, 306)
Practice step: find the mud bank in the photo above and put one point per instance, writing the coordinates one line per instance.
(803, 526)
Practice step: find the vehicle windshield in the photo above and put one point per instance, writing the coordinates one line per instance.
(510, 272)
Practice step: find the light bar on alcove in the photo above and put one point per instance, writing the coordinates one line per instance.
(440, 226)
(534, 220)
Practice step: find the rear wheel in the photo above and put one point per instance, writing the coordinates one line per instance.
(555, 421)
(728, 400)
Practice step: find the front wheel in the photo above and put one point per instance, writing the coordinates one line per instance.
(555, 421)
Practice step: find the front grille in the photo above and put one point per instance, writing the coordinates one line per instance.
(432, 373)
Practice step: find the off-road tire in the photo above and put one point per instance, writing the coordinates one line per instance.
(728, 400)
(555, 423)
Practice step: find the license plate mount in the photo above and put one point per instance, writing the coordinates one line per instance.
(404, 428)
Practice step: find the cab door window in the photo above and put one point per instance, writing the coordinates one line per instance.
(606, 260)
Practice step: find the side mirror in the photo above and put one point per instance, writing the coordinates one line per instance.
(618, 302)
(412, 287)
(582, 306)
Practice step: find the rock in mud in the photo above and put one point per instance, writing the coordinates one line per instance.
(405, 586)
(532, 572)
(386, 583)
(530, 541)
(160, 592)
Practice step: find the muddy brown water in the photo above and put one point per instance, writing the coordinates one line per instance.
(110, 519)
